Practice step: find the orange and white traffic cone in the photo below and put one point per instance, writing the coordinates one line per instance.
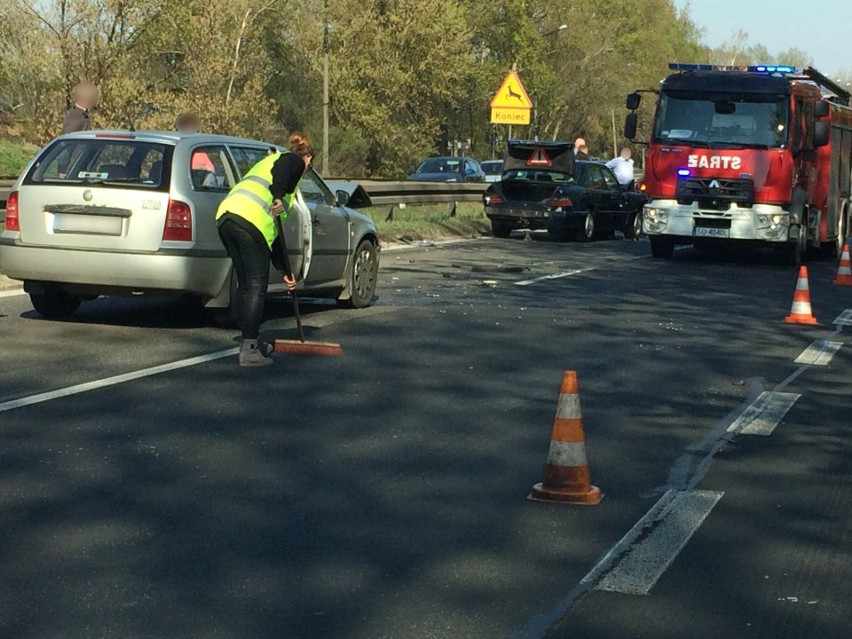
(566, 473)
(801, 312)
(844, 271)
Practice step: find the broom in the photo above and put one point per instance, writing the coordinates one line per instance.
(300, 346)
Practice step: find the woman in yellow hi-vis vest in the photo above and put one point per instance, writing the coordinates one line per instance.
(249, 230)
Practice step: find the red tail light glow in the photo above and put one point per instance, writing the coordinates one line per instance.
(13, 222)
(178, 222)
(493, 199)
(559, 202)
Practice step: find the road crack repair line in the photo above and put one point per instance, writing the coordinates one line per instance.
(636, 562)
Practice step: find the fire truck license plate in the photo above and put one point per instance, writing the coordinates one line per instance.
(700, 231)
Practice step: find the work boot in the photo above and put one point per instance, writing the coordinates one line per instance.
(251, 355)
(266, 348)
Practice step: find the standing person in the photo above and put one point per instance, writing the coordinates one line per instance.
(187, 123)
(85, 96)
(249, 230)
(622, 166)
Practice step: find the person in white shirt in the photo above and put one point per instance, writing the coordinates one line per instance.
(622, 166)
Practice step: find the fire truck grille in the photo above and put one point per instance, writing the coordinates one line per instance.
(715, 194)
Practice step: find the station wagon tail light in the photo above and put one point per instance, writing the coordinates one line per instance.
(178, 222)
(560, 202)
(13, 223)
(493, 199)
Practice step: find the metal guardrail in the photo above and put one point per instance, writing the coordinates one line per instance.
(379, 192)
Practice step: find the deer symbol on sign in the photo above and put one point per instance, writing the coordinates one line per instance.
(513, 94)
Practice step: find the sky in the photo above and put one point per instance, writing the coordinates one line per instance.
(822, 28)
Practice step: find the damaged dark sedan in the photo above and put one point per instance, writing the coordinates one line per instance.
(543, 187)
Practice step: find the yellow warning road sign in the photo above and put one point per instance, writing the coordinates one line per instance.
(511, 104)
(511, 94)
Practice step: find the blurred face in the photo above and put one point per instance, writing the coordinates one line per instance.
(308, 159)
(579, 143)
(87, 97)
(626, 154)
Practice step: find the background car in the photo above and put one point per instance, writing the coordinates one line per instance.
(448, 169)
(493, 170)
(130, 213)
(544, 188)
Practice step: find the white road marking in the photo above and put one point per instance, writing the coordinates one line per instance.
(845, 318)
(12, 292)
(113, 381)
(644, 563)
(764, 413)
(556, 276)
(820, 353)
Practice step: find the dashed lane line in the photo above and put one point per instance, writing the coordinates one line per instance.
(819, 353)
(319, 321)
(114, 380)
(639, 570)
(618, 568)
(764, 413)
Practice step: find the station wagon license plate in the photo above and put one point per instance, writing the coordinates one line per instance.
(86, 224)
(700, 231)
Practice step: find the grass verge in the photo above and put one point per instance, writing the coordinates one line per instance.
(429, 221)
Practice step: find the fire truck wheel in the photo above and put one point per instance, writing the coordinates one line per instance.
(793, 254)
(662, 248)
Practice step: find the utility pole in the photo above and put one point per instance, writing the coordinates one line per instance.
(325, 151)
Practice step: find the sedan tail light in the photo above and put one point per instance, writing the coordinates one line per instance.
(178, 222)
(13, 222)
(560, 202)
(493, 199)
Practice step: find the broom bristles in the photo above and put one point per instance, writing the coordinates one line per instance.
(308, 348)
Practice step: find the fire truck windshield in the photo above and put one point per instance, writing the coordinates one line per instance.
(721, 120)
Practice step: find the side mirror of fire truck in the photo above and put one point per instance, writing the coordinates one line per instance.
(633, 101)
(820, 109)
(821, 131)
(631, 123)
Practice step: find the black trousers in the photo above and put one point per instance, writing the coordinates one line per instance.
(251, 265)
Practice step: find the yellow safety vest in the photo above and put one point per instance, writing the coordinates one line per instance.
(251, 199)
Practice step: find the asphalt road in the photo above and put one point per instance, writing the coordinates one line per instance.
(149, 487)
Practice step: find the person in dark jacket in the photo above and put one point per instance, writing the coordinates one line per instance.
(249, 229)
(85, 96)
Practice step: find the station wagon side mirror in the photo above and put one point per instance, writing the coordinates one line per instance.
(341, 198)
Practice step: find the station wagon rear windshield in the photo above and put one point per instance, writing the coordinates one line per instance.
(115, 162)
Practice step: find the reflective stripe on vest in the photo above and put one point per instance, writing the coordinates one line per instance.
(251, 199)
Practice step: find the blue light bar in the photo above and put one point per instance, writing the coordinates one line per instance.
(684, 172)
(772, 68)
(760, 68)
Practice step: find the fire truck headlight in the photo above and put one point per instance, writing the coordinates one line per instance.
(655, 220)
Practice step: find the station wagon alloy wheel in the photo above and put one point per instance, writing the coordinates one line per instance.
(588, 233)
(365, 269)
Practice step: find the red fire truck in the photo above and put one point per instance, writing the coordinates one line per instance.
(757, 155)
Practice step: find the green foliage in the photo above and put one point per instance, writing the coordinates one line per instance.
(14, 157)
(408, 78)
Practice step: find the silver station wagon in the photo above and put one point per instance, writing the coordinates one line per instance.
(133, 213)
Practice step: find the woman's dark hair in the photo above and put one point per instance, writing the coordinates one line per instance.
(299, 144)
